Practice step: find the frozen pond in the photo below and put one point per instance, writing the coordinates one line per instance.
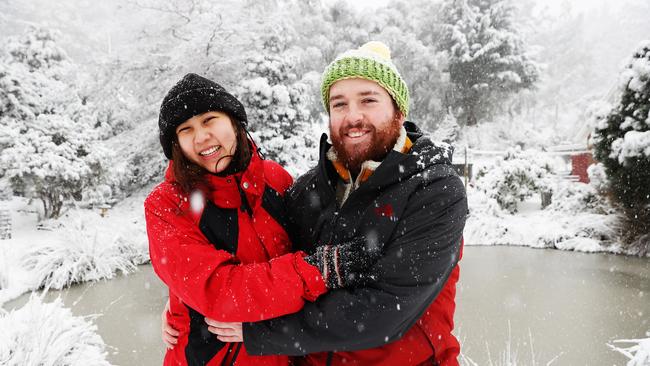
(569, 304)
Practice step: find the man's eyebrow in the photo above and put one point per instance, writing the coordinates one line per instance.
(361, 94)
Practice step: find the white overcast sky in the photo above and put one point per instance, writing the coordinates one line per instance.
(553, 4)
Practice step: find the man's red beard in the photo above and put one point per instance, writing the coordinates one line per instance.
(381, 142)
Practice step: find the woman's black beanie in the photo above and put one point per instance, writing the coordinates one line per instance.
(191, 96)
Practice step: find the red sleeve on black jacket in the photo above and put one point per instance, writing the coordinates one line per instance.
(212, 281)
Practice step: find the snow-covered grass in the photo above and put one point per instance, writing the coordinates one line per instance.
(79, 257)
(510, 355)
(48, 334)
(79, 246)
(637, 351)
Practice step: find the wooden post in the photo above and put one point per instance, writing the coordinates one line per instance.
(103, 210)
(466, 170)
(5, 224)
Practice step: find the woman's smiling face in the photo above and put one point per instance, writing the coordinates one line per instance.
(208, 140)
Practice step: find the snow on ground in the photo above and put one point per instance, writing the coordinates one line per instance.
(79, 246)
(557, 226)
(637, 350)
(48, 334)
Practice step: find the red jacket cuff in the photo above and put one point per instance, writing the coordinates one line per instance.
(312, 278)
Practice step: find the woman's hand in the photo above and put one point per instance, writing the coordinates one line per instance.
(226, 332)
(169, 334)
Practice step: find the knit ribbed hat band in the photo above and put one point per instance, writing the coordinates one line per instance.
(372, 62)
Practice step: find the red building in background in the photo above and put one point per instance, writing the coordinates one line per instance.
(579, 164)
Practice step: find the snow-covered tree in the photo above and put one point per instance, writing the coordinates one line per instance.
(622, 144)
(49, 148)
(277, 105)
(448, 130)
(487, 57)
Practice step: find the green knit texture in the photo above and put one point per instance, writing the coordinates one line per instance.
(369, 69)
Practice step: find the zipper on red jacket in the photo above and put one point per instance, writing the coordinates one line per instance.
(245, 205)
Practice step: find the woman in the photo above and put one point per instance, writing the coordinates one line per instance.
(216, 229)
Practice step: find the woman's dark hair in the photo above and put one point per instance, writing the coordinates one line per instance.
(191, 176)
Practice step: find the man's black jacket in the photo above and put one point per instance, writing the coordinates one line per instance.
(413, 208)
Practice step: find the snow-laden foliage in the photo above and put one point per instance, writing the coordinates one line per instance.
(581, 223)
(48, 334)
(448, 130)
(278, 113)
(487, 59)
(50, 147)
(80, 257)
(514, 177)
(598, 177)
(575, 197)
(622, 144)
(637, 351)
(4, 276)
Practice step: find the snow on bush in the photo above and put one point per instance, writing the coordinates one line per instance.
(598, 177)
(633, 144)
(515, 177)
(575, 198)
(48, 334)
(80, 257)
(578, 218)
(638, 351)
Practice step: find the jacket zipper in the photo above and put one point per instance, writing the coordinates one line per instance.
(245, 205)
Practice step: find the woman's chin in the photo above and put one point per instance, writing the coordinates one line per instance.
(219, 167)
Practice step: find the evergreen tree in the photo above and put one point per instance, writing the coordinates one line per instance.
(487, 60)
(277, 104)
(49, 146)
(622, 144)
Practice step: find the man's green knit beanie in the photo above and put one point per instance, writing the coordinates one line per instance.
(372, 62)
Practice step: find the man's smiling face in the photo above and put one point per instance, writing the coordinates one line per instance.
(364, 123)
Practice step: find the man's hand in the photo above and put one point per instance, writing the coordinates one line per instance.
(226, 332)
(347, 264)
(169, 334)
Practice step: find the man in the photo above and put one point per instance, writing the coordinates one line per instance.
(380, 178)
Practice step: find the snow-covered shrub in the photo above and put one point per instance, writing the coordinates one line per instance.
(514, 177)
(81, 257)
(48, 334)
(598, 177)
(575, 197)
(622, 144)
(638, 353)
